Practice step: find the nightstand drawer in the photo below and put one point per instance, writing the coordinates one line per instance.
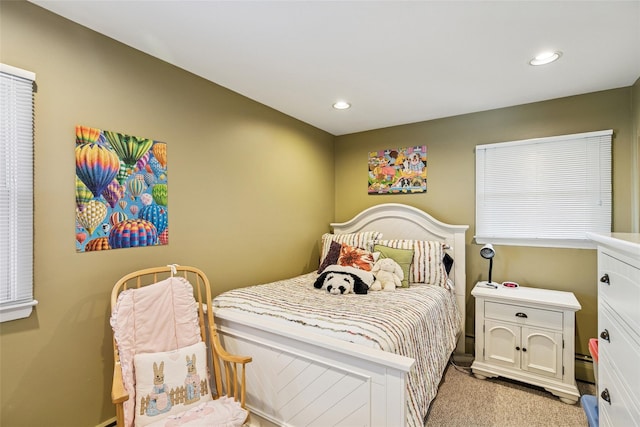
(524, 315)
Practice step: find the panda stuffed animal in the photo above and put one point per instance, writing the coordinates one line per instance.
(338, 280)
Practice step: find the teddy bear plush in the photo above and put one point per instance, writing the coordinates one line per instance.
(388, 275)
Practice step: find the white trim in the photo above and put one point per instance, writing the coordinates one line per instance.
(539, 243)
(549, 139)
(17, 311)
(19, 72)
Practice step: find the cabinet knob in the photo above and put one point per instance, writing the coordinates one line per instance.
(518, 348)
(605, 395)
(605, 335)
(605, 279)
(522, 315)
(524, 349)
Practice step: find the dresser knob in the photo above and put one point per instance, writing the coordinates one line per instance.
(522, 315)
(605, 396)
(605, 279)
(605, 335)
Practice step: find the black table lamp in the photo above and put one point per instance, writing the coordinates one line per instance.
(487, 252)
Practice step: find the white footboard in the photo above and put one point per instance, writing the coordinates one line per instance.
(313, 380)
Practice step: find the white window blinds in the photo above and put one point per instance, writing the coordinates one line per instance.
(16, 193)
(544, 192)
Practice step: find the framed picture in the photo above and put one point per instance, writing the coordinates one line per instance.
(121, 191)
(398, 171)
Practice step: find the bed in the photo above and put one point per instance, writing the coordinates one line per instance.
(314, 365)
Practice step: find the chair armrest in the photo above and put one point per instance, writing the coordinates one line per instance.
(118, 392)
(228, 357)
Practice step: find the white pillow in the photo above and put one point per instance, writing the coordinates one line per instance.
(170, 382)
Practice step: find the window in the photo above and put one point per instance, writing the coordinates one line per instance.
(16, 193)
(544, 192)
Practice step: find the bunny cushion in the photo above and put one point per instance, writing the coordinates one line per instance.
(388, 274)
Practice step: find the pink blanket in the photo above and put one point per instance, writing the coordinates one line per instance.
(158, 317)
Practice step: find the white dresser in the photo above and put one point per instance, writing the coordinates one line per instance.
(618, 328)
(527, 334)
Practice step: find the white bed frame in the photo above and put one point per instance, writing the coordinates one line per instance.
(314, 380)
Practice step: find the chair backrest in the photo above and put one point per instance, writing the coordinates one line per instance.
(200, 297)
(154, 275)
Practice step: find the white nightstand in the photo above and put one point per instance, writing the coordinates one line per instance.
(527, 334)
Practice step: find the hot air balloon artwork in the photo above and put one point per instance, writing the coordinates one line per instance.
(121, 191)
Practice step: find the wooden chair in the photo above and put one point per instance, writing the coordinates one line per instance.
(228, 369)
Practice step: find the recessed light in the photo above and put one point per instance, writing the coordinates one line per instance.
(545, 58)
(341, 105)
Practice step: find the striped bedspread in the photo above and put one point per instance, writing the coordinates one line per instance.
(420, 322)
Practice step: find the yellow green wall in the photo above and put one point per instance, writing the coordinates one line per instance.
(451, 186)
(249, 187)
(239, 174)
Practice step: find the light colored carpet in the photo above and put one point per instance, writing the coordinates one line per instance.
(466, 401)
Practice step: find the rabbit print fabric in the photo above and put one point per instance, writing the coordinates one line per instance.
(169, 382)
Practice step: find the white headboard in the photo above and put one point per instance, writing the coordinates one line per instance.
(398, 221)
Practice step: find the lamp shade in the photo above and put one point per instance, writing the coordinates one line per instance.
(487, 252)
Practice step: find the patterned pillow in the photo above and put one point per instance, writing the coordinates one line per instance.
(404, 258)
(427, 266)
(169, 382)
(362, 240)
(332, 256)
(355, 257)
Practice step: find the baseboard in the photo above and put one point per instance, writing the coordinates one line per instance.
(463, 359)
(469, 344)
(109, 423)
(584, 369)
(257, 421)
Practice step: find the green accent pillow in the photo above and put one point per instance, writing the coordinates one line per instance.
(403, 257)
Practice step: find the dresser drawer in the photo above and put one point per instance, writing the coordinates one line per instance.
(523, 315)
(626, 351)
(622, 290)
(622, 410)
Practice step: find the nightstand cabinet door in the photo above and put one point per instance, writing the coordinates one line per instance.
(502, 344)
(530, 349)
(542, 352)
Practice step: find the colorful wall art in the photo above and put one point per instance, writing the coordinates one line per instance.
(121, 191)
(398, 170)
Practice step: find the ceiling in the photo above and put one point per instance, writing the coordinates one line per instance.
(396, 62)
